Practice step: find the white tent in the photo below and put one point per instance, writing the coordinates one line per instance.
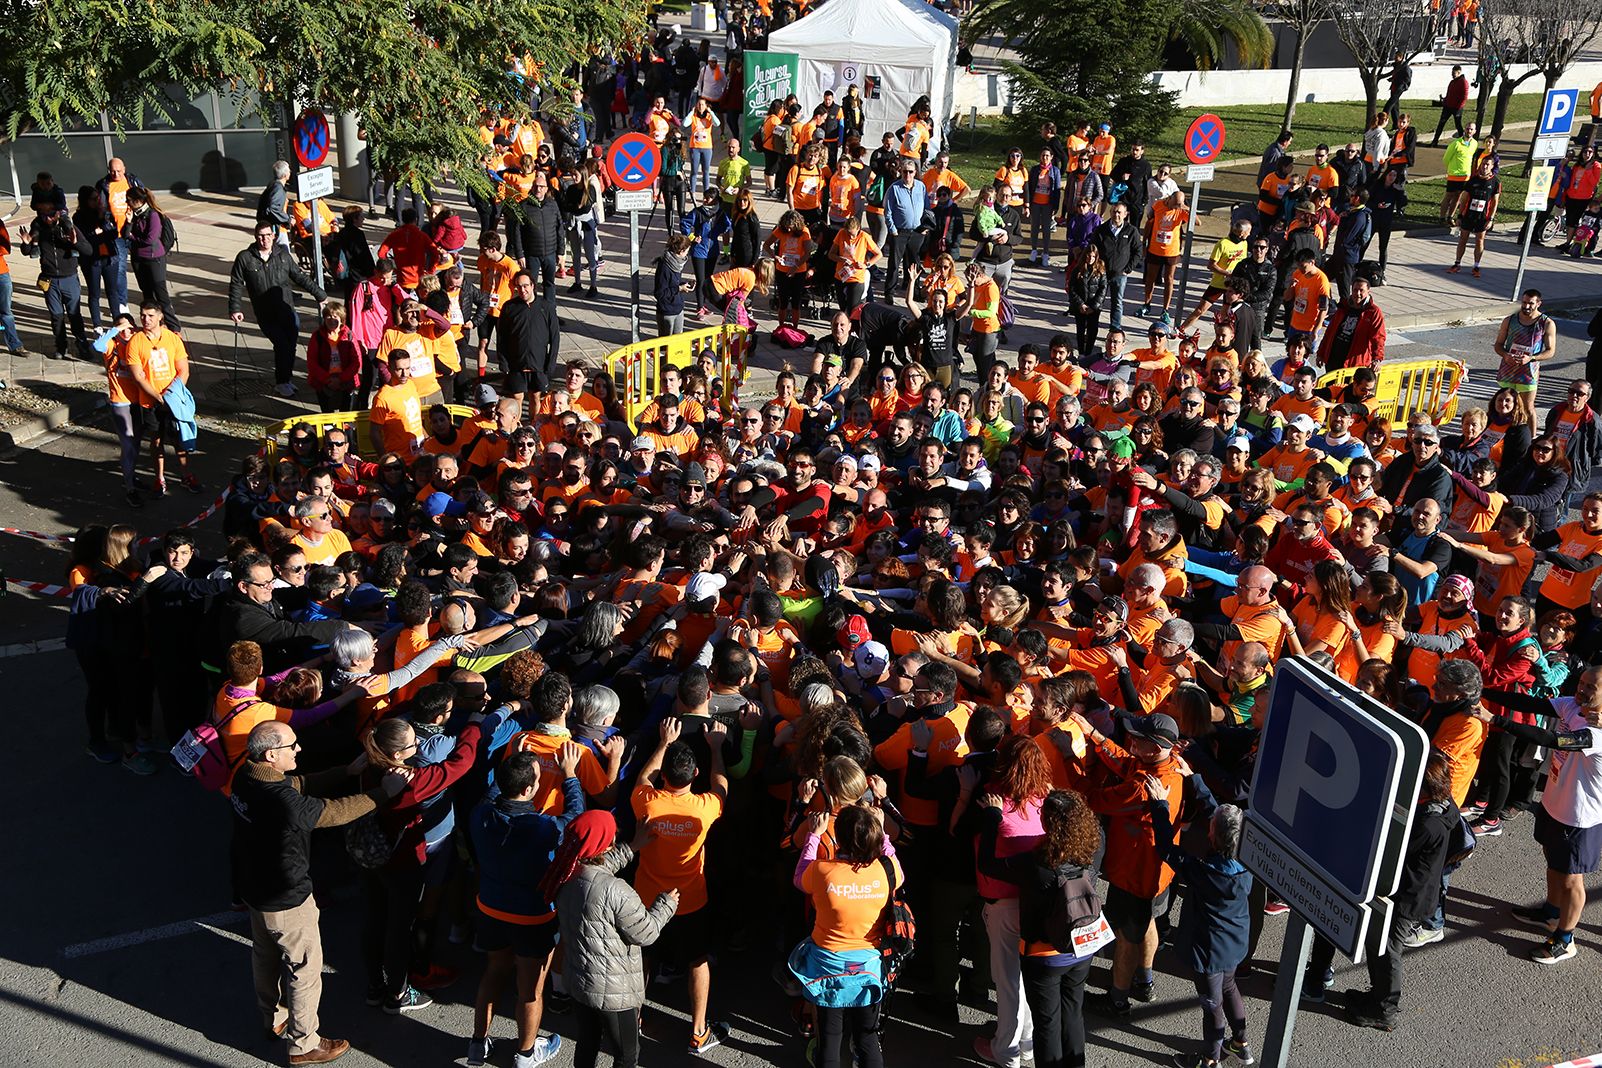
(906, 47)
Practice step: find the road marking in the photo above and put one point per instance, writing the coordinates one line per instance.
(43, 645)
(210, 923)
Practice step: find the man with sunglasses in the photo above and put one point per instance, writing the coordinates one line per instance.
(1418, 474)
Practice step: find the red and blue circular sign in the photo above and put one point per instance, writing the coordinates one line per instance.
(1204, 141)
(310, 138)
(633, 161)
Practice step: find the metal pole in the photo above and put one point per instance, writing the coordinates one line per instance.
(1287, 993)
(317, 243)
(1184, 262)
(1524, 252)
(634, 277)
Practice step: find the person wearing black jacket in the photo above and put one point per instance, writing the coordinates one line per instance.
(1387, 202)
(1417, 474)
(1261, 278)
(176, 607)
(471, 308)
(1120, 245)
(265, 272)
(60, 245)
(1538, 480)
(274, 813)
(1133, 173)
(1435, 825)
(539, 233)
(101, 268)
(528, 337)
(1237, 309)
(249, 613)
(1583, 445)
(669, 286)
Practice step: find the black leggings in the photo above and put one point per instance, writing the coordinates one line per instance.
(388, 948)
(704, 269)
(1056, 998)
(622, 1027)
(861, 1025)
(1222, 1008)
(1503, 777)
(1088, 327)
(105, 698)
(152, 278)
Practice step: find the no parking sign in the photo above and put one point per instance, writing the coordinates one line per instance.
(1204, 141)
(310, 138)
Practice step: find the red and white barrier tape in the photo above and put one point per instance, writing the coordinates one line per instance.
(67, 539)
(38, 535)
(44, 589)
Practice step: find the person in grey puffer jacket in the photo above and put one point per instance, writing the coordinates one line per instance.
(603, 925)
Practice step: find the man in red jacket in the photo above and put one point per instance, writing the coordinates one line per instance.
(1293, 558)
(1356, 334)
(1457, 94)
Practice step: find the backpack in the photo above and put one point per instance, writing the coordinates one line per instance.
(735, 312)
(899, 927)
(169, 234)
(1075, 906)
(367, 843)
(200, 751)
(1006, 315)
(788, 337)
(783, 137)
(877, 190)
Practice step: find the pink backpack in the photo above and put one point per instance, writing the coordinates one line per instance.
(790, 337)
(200, 751)
(735, 313)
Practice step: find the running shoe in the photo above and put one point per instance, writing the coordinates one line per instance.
(410, 1000)
(707, 1040)
(1554, 950)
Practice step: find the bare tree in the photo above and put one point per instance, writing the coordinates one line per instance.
(1543, 36)
(1301, 16)
(1377, 33)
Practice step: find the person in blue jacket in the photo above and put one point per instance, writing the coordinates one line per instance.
(1216, 922)
(514, 843)
(705, 225)
(669, 285)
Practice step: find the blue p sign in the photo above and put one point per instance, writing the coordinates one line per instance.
(1557, 113)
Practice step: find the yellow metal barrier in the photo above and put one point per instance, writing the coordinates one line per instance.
(355, 423)
(1411, 386)
(637, 370)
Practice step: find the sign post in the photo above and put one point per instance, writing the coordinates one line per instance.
(1551, 141)
(1204, 143)
(633, 161)
(1333, 797)
(310, 139)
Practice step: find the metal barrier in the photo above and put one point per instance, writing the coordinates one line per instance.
(1406, 387)
(355, 423)
(637, 370)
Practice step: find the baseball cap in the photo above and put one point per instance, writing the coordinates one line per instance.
(1303, 422)
(870, 462)
(1157, 727)
(704, 586)
(832, 360)
(871, 658)
(1162, 325)
(1243, 442)
(483, 395)
(382, 508)
(1104, 127)
(438, 504)
(695, 475)
(642, 442)
(854, 632)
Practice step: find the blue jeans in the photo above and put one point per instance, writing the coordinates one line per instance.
(8, 318)
(126, 419)
(700, 162)
(1437, 919)
(1115, 293)
(102, 273)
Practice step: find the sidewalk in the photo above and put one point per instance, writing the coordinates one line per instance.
(214, 227)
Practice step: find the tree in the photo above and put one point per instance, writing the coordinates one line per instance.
(1077, 63)
(1548, 35)
(1377, 33)
(417, 75)
(1205, 28)
(1301, 16)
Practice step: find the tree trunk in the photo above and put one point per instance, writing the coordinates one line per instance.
(1504, 97)
(1370, 91)
(1302, 30)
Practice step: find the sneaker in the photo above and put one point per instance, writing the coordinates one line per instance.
(1423, 936)
(478, 1050)
(139, 764)
(159, 488)
(103, 753)
(1488, 829)
(411, 1000)
(57, 356)
(1241, 1050)
(1455, 268)
(1476, 271)
(1362, 1012)
(192, 484)
(437, 977)
(545, 1048)
(1106, 1005)
(712, 1037)
(1275, 908)
(1473, 810)
(1145, 311)
(1553, 950)
(285, 389)
(1543, 915)
(1192, 1060)
(1142, 992)
(576, 288)
(592, 293)
(1045, 261)
(1034, 255)
(133, 499)
(1313, 993)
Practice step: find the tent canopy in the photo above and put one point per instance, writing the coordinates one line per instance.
(907, 48)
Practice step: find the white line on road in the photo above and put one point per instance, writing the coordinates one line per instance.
(157, 934)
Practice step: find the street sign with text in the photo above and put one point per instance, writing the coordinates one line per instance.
(312, 184)
(1199, 172)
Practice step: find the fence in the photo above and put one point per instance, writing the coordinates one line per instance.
(1412, 386)
(637, 370)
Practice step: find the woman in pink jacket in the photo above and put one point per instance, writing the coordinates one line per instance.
(372, 310)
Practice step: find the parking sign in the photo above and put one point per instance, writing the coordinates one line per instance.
(1557, 112)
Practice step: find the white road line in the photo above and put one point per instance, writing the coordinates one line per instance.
(44, 645)
(211, 923)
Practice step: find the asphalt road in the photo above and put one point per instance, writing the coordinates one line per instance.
(119, 946)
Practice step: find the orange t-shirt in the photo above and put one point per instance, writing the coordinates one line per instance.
(398, 414)
(1308, 288)
(844, 193)
(790, 250)
(333, 545)
(1167, 229)
(495, 278)
(120, 386)
(1256, 623)
(807, 185)
(853, 252)
(1572, 589)
(1313, 624)
(158, 358)
(1423, 665)
(701, 129)
(1038, 388)
(1013, 182)
(675, 857)
(848, 901)
(1493, 583)
(548, 794)
(733, 279)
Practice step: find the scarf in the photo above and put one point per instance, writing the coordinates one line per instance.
(675, 263)
(587, 837)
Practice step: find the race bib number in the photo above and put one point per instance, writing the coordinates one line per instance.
(789, 259)
(1092, 937)
(809, 186)
(160, 362)
(1477, 206)
(1166, 235)
(1301, 303)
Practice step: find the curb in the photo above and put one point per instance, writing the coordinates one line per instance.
(1483, 312)
(35, 426)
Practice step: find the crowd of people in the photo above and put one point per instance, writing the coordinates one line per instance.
(606, 694)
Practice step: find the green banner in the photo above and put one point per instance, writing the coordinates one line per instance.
(769, 76)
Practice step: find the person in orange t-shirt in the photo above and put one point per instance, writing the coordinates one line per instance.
(1169, 217)
(1306, 296)
(677, 819)
(156, 359)
(395, 421)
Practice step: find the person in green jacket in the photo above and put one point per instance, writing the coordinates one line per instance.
(1459, 165)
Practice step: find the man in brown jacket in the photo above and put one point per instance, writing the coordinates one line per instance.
(274, 815)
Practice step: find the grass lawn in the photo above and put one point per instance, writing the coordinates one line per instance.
(976, 154)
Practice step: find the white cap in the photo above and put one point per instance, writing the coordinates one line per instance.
(1303, 422)
(704, 585)
(870, 462)
(871, 659)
